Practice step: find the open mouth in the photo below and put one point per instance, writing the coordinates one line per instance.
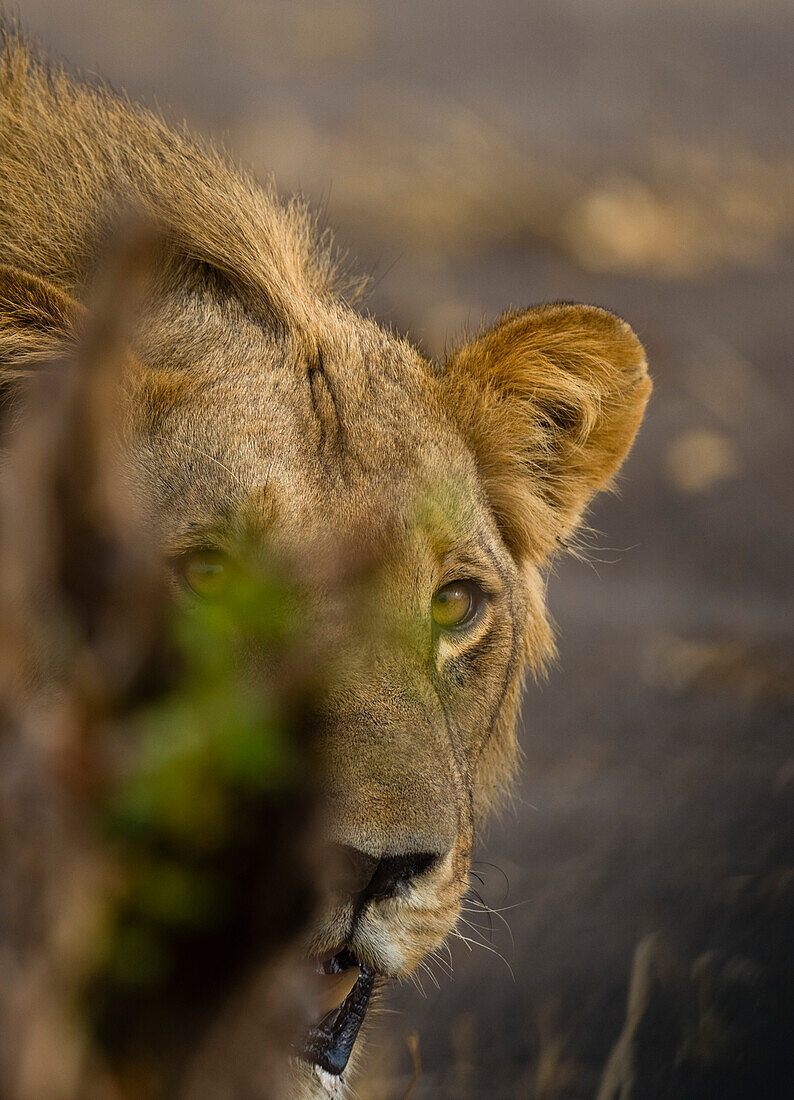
(346, 987)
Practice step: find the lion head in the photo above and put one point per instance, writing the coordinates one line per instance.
(416, 504)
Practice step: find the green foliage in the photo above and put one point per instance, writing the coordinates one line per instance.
(211, 737)
(207, 767)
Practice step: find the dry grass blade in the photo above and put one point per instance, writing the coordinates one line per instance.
(413, 1046)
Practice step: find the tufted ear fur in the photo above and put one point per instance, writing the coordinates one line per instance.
(549, 401)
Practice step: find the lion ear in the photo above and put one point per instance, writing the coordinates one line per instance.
(549, 400)
(35, 318)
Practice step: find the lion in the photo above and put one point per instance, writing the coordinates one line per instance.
(265, 408)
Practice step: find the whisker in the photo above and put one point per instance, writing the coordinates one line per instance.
(496, 867)
(424, 965)
(447, 963)
(460, 937)
(495, 913)
(449, 953)
(414, 978)
(442, 963)
(507, 908)
(485, 947)
(218, 462)
(485, 908)
(476, 928)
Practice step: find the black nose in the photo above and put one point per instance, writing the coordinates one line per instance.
(369, 878)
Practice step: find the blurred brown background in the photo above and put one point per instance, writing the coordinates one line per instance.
(638, 154)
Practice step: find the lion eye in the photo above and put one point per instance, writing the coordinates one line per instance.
(205, 572)
(455, 604)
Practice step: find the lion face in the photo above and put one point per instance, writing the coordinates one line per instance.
(416, 508)
(355, 473)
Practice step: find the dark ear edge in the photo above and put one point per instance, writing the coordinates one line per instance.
(550, 401)
(35, 318)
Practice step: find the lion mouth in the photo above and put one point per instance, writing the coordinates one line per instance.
(346, 986)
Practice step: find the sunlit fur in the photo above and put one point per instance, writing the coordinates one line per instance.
(265, 410)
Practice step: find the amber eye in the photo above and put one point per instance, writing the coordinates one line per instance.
(455, 604)
(205, 572)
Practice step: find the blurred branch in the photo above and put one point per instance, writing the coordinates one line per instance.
(154, 811)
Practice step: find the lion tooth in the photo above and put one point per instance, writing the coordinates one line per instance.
(333, 988)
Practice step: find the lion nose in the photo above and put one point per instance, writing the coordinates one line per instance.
(370, 878)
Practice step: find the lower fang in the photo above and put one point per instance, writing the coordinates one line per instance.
(332, 989)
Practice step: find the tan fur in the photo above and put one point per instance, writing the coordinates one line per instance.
(551, 398)
(267, 413)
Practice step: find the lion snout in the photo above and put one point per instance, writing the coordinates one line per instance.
(366, 878)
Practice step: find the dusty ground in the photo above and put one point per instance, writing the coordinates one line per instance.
(637, 154)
